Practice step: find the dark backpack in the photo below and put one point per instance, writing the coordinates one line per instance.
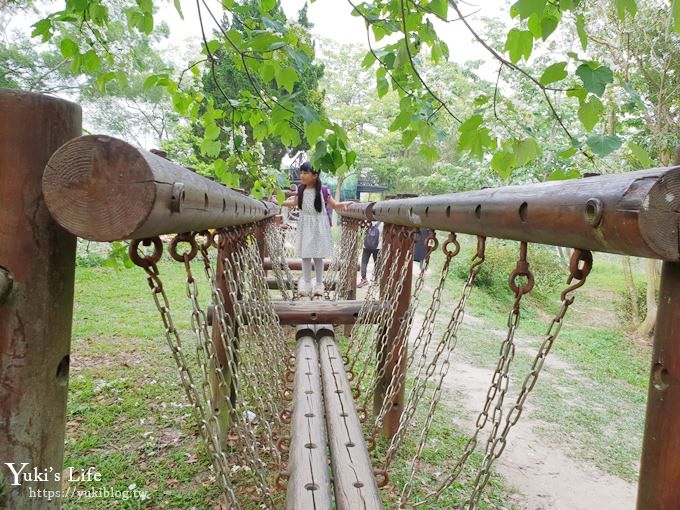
(372, 238)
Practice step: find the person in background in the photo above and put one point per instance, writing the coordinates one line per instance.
(420, 248)
(372, 245)
(314, 229)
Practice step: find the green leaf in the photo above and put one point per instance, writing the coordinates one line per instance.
(383, 86)
(369, 60)
(260, 131)
(437, 52)
(68, 48)
(42, 28)
(407, 137)
(567, 153)
(526, 8)
(474, 138)
(91, 62)
(268, 5)
(568, 5)
(350, 158)
(146, 6)
(210, 148)
(553, 73)
(440, 8)
(595, 77)
(402, 120)
(603, 145)
(428, 152)
(581, 31)
(534, 25)
(675, 13)
(286, 78)
(641, 155)
(525, 151)
(578, 92)
(519, 44)
(548, 26)
(590, 112)
(178, 8)
(623, 6)
(314, 131)
(212, 132)
(503, 163)
(214, 45)
(561, 175)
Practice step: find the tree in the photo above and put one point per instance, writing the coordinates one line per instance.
(224, 81)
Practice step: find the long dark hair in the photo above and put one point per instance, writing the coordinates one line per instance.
(307, 167)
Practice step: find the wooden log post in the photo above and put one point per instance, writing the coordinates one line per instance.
(37, 267)
(320, 312)
(308, 477)
(394, 337)
(659, 484)
(355, 484)
(224, 399)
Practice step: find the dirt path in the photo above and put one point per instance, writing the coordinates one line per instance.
(544, 476)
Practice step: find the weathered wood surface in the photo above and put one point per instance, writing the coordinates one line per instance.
(273, 284)
(659, 483)
(354, 482)
(319, 311)
(634, 213)
(104, 189)
(308, 469)
(395, 338)
(38, 257)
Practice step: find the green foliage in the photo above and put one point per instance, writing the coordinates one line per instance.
(553, 73)
(500, 262)
(603, 145)
(595, 77)
(623, 305)
(519, 44)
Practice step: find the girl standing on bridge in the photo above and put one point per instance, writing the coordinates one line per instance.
(314, 228)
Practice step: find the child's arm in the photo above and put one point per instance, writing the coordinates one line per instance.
(289, 202)
(337, 205)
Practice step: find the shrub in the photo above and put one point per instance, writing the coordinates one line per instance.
(501, 259)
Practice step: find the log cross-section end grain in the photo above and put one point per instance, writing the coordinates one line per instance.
(99, 188)
(660, 216)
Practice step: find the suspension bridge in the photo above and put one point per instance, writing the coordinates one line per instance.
(300, 391)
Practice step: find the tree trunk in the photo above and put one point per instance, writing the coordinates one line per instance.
(632, 290)
(338, 194)
(647, 327)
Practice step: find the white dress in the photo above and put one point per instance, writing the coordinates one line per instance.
(313, 230)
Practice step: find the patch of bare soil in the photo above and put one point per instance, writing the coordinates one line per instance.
(544, 476)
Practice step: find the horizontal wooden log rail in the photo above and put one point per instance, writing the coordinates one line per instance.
(635, 213)
(308, 477)
(103, 189)
(353, 478)
(273, 284)
(293, 264)
(319, 312)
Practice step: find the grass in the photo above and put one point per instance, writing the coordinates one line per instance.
(594, 407)
(128, 416)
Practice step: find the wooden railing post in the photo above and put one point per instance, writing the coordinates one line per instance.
(397, 264)
(659, 484)
(37, 265)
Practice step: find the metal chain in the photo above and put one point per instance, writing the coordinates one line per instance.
(274, 239)
(405, 326)
(446, 345)
(211, 441)
(424, 338)
(497, 444)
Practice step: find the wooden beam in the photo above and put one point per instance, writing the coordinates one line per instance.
(633, 213)
(659, 484)
(308, 476)
(319, 312)
(37, 261)
(293, 264)
(355, 485)
(104, 189)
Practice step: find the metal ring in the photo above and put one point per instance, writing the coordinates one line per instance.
(279, 483)
(383, 476)
(183, 238)
(210, 239)
(524, 289)
(146, 260)
(451, 240)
